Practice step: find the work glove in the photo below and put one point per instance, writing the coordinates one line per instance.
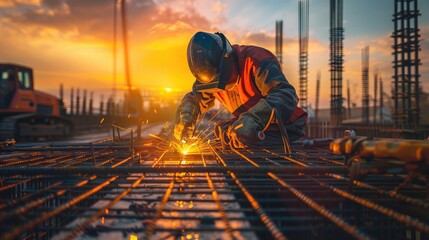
(246, 130)
(221, 129)
(186, 116)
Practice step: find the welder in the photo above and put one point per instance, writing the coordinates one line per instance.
(249, 82)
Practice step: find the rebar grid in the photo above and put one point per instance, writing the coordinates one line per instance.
(155, 192)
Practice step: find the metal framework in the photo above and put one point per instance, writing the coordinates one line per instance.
(316, 111)
(349, 110)
(78, 102)
(84, 102)
(381, 101)
(125, 189)
(279, 41)
(303, 19)
(72, 101)
(406, 63)
(365, 84)
(375, 96)
(336, 60)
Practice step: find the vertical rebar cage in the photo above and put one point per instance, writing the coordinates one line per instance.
(406, 47)
(303, 19)
(279, 41)
(336, 60)
(365, 84)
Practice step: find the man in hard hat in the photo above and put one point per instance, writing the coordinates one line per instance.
(248, 81)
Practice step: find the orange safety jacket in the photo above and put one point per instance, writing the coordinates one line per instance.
(260, 76)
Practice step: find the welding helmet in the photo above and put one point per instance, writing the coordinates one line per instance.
(211, 60)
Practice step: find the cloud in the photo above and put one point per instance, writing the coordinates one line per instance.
(70, 41)
(167, 21)
(259, 39)
(219, 7)
(14, 3)
(92, 19)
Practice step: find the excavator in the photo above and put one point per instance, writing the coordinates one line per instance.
(26, 113)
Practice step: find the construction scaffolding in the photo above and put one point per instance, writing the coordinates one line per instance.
(279, 41)
(336, 60)
(406, 64)
(365, 84)
(303, 17)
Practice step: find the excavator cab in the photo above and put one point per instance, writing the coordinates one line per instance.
(25, 112)
(7, 86)
(16, 90)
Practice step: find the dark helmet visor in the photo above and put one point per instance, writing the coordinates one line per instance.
(216, 81)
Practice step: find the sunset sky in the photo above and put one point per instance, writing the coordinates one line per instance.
(71, 41)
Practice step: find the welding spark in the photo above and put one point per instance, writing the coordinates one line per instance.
(190, 146)
(202, 134)
(184, 147)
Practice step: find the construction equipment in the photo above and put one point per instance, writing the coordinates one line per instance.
(379, 156)
(27, 113)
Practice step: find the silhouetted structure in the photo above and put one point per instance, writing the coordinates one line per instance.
(349, 110)
(61, 92)
(316, 111)
(406, 64)
(125, 44)
(303, 15)
(77, 101)
(381, 101)
(365, 88)
(101, 105)
(72, 102)
(336, 60)
(91, 104)
(84, 112)
(279, 40)
(115, 25)
(375, 95)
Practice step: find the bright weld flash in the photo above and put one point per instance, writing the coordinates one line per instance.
(186, 147)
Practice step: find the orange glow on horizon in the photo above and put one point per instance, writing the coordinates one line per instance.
(64, 44)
